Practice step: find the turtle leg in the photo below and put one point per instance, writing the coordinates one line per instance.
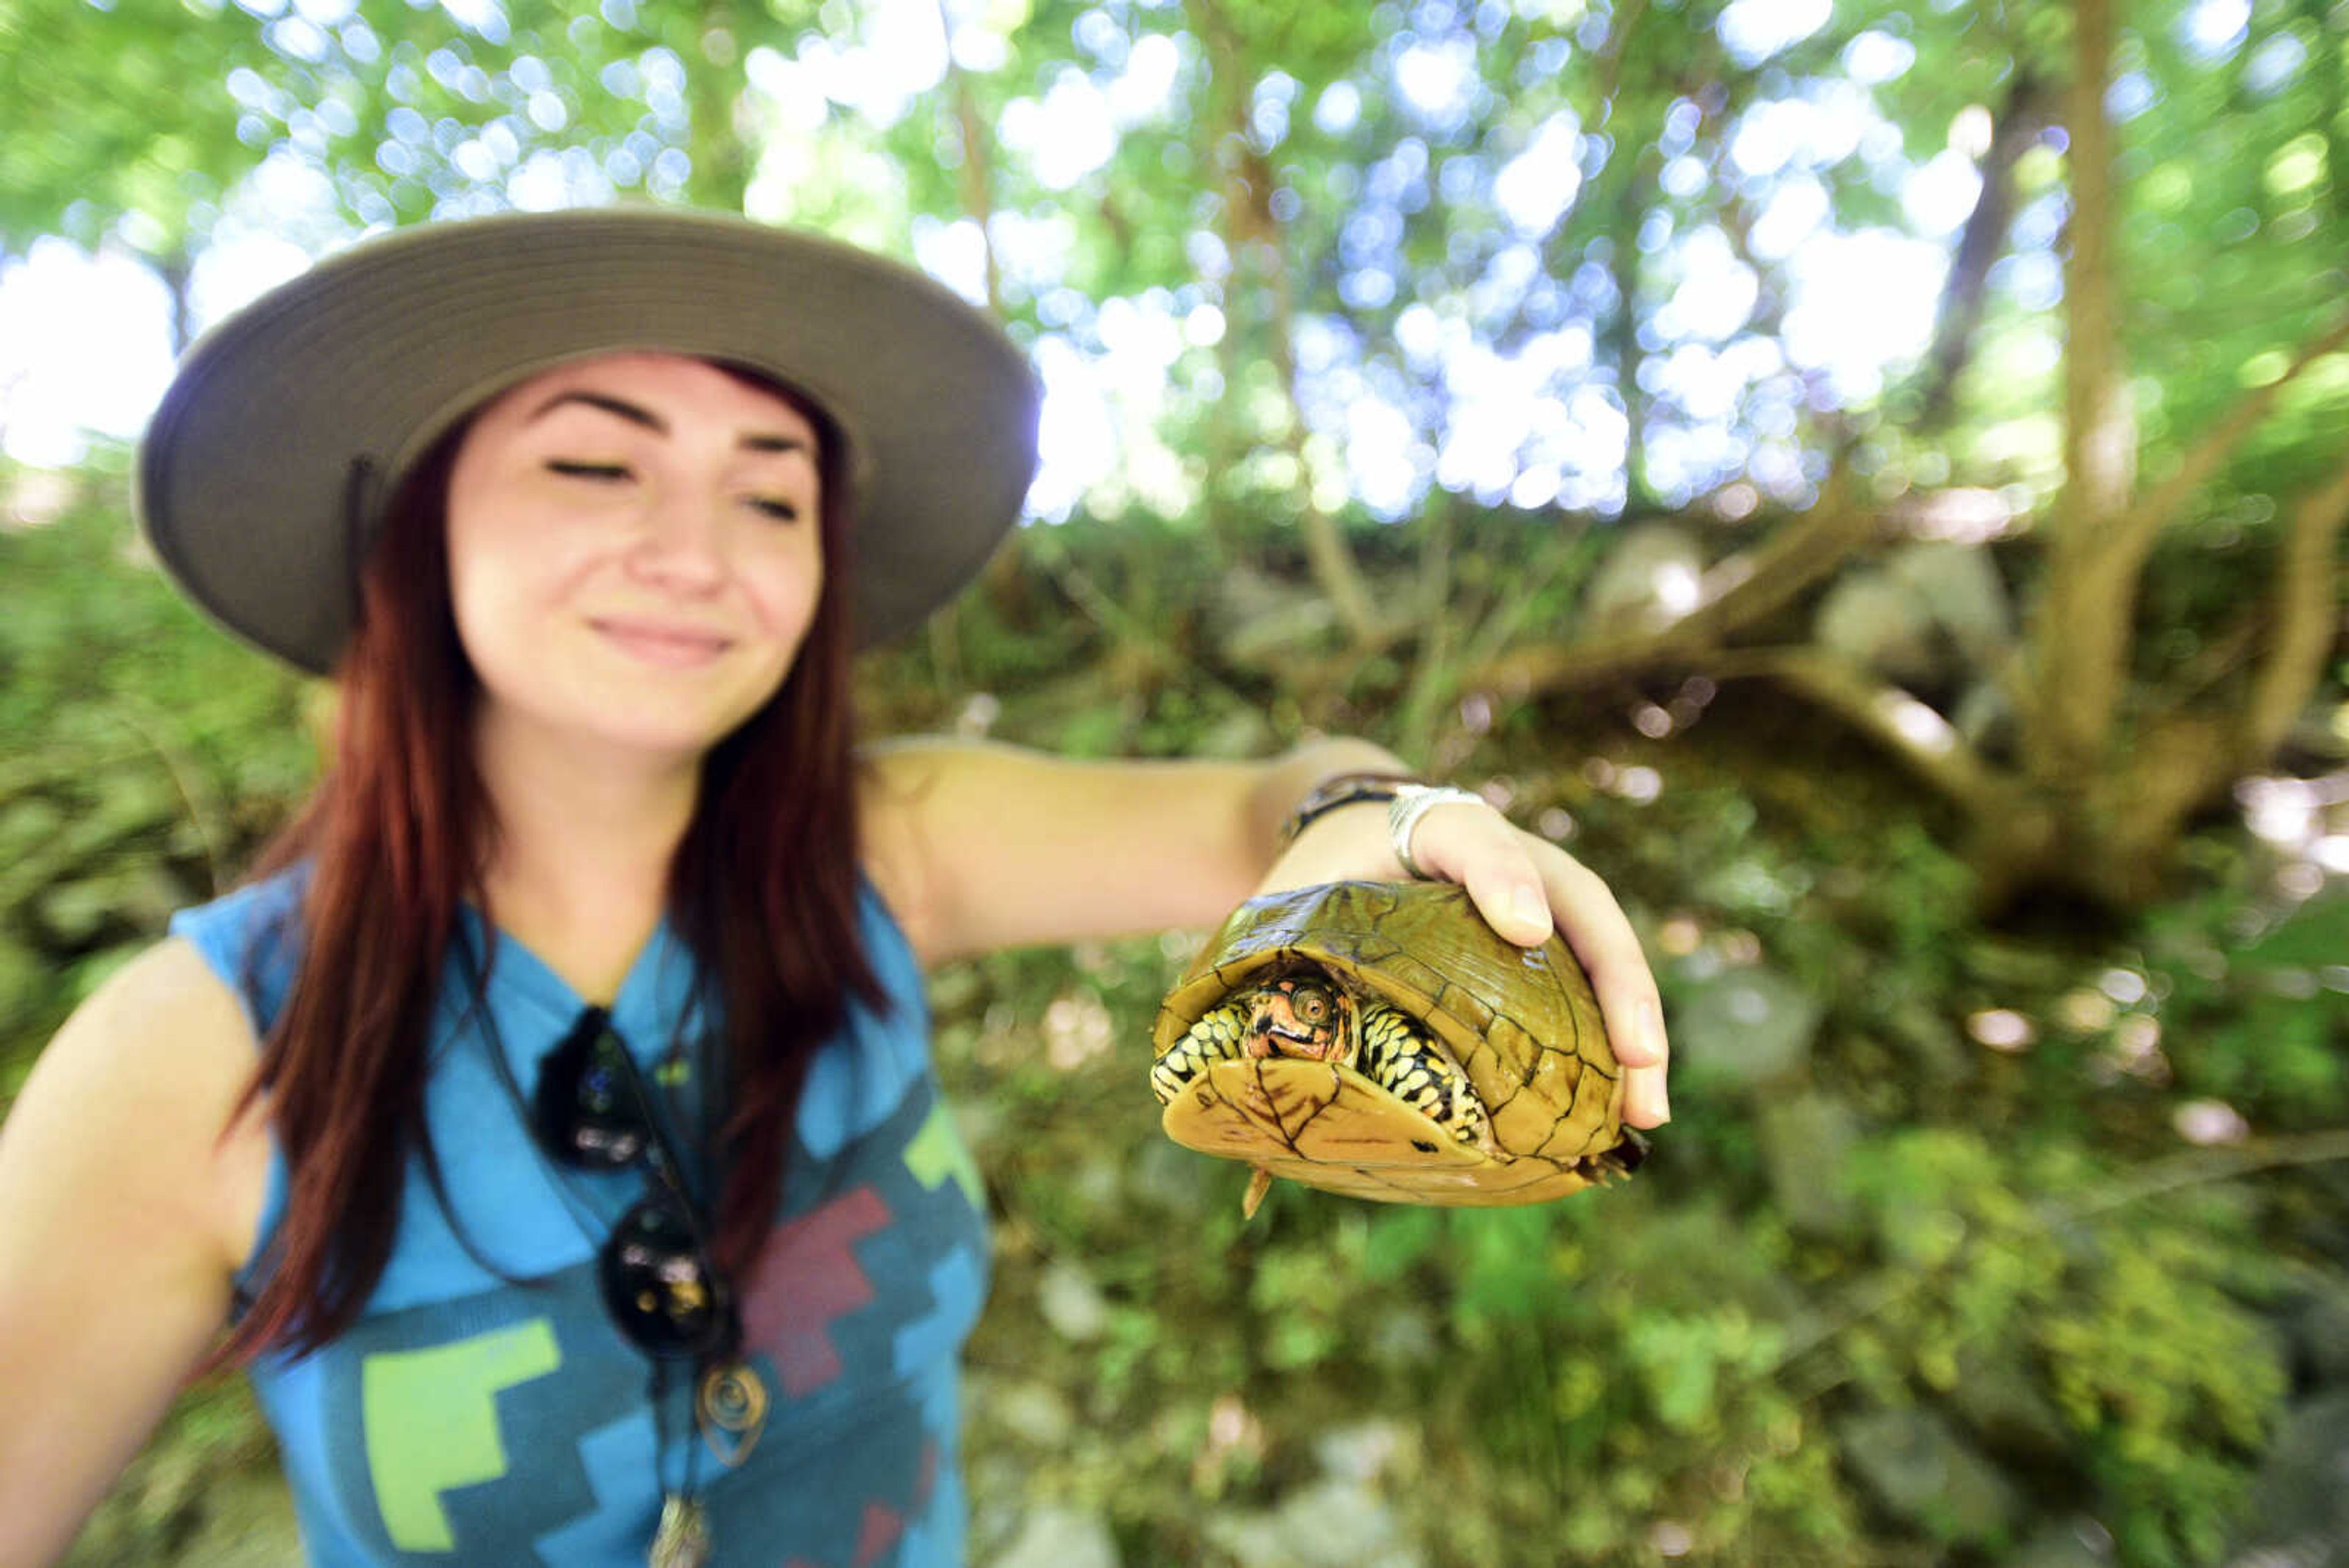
(1260, 1184)
(1215, 1038)
(1401, 1060)
(1623, 1158)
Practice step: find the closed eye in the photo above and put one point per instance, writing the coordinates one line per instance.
(774, 506)
(600, 472)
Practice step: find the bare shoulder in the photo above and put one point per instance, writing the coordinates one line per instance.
(896, 784)
(165, 1016)
(140, 1083)
(119, 1209)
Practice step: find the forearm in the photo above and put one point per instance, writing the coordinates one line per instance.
(981, 846)
(1287, 780)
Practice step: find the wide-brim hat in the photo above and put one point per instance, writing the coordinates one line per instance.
(261, 476)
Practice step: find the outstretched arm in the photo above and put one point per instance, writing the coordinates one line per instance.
(980, 846)
(985, 847)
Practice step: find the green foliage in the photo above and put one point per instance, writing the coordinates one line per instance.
(2138, 1328)
(89, 155)
(2172, 1385)
(1380, 202)
(2256, 1006)
(203, 1493)
(1674, 1346)
(1682, 1361)
(147, 757)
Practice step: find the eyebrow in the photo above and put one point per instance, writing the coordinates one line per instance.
(636, 413)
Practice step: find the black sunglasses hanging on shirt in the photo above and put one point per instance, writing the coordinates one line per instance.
(662, 1288)
(592, 1111)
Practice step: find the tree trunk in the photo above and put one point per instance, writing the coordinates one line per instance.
(977, 188)
(175, 270)
(1252, 233)
(2102, 790)
(719, 176)
(2081, 635)
(1622, 336)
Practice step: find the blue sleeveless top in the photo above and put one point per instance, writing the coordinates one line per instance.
(466, 1420)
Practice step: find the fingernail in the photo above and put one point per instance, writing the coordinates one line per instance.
(1528, 906)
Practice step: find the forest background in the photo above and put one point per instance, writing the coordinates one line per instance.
(1868, 477)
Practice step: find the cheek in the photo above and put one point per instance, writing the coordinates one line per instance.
(473, 590)
(504, 574)
(785, 584)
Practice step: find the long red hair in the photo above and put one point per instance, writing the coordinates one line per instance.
(762, 891)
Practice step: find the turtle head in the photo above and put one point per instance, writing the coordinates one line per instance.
(1303, 1013)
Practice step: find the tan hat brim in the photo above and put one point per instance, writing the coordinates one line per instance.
(244, 471)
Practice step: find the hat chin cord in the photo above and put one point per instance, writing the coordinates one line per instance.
(362, 494)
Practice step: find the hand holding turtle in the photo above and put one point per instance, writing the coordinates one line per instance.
(1524, 886)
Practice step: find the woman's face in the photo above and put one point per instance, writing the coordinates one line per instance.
(635, 550)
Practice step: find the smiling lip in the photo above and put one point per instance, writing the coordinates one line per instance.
(673, 648)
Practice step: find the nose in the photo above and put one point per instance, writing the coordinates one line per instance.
(681, 543)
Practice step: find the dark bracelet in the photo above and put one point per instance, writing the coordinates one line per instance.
(1337, 790)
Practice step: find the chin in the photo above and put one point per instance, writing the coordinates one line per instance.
(667, 727)
(672, 733)
(623, 710)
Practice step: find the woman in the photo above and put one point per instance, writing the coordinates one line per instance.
(549, 1121)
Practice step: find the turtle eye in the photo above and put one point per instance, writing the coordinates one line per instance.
(1311, 1004)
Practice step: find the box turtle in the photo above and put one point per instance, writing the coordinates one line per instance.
(1381, 1039)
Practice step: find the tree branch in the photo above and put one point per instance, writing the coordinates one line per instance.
(2099, 424)
(1916, 736)
(2307, 615)
(1610, 60)
(1435, 674)
(2218, 444)
(2020, 123)
(1735, 594)
(2175, 763)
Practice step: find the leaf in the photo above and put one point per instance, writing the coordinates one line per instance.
(2315, 936)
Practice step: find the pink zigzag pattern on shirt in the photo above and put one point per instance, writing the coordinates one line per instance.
(807, 1277)
(880, 1531)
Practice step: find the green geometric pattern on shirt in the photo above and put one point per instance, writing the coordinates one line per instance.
(936, 1152)
(432, 1423)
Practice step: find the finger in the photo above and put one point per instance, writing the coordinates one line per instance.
(1522, 886)
(1477, 849)
(1508, 894)
(1506, 888)
(1645, 1102)
(1601, 937)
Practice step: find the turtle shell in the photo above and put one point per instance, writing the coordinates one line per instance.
(1522, 1023)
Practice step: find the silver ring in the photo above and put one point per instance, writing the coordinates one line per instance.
(1412, 802)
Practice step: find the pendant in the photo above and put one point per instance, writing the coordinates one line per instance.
(730, 1407)
(683, 1539)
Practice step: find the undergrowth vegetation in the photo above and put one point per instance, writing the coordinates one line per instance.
(1956, 1277)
